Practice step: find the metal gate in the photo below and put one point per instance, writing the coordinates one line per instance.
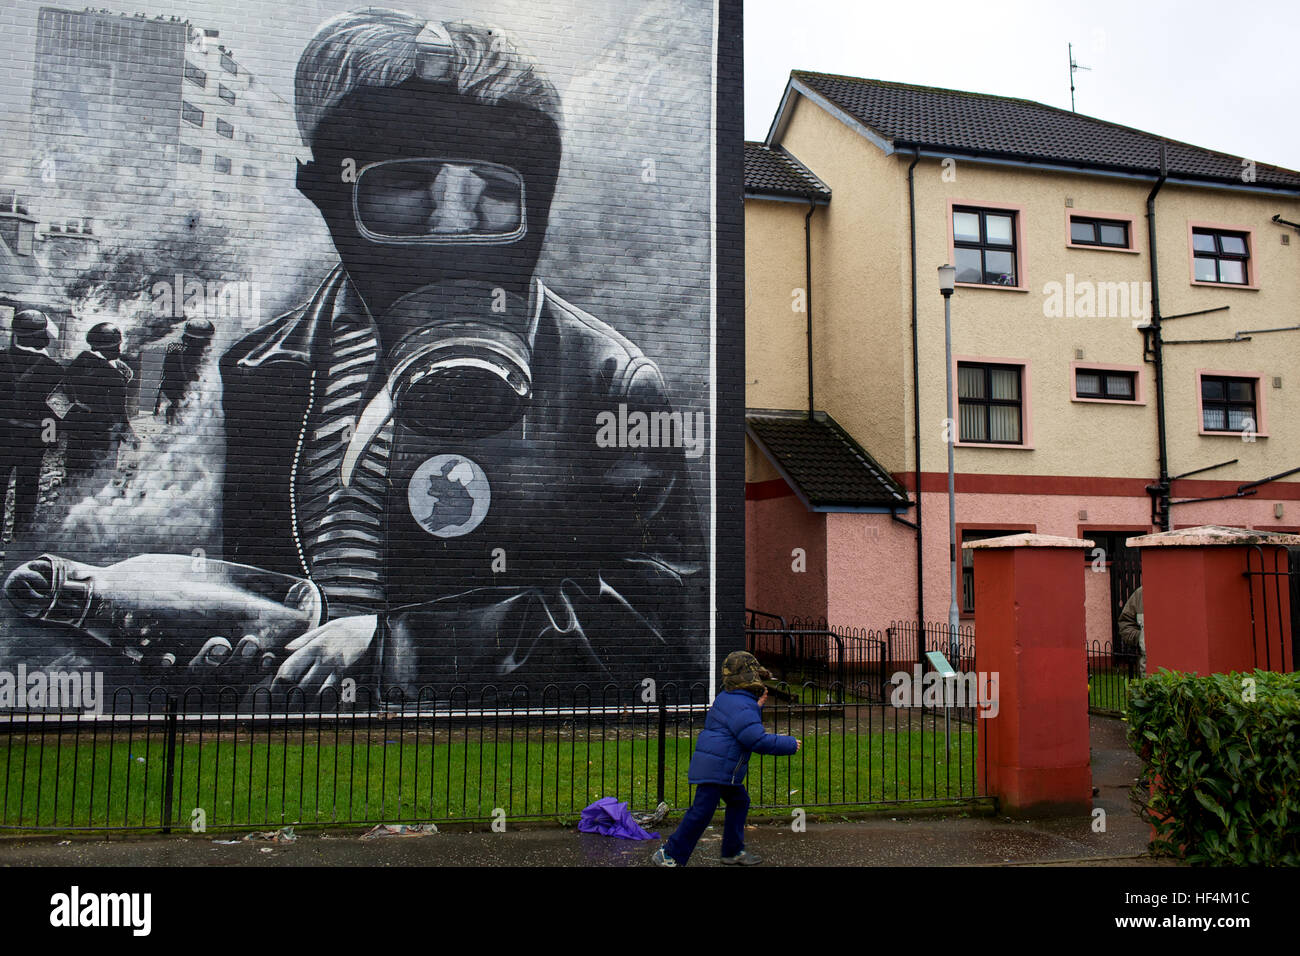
(1125, 578)
(1274, 593)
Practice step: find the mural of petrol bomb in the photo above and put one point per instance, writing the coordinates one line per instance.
(412, 488)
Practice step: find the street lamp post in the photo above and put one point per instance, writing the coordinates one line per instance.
(947, 281)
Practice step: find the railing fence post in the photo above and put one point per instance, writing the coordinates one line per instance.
(169, 764)
(663, 731)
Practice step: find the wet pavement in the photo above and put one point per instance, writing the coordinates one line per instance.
(828, 840)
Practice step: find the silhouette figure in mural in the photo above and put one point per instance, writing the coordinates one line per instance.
(181, 366)
(28, 375)
(97, 382)
(417, 441)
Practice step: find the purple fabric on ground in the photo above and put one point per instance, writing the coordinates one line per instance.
(610, 817)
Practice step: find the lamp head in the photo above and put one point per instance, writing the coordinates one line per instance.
(947, 279)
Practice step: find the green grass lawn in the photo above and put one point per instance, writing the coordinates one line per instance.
(269, 783)
(1108, 690)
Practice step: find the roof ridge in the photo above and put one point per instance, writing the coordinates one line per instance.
(1168, 140)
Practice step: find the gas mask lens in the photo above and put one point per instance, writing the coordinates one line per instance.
(439, 200)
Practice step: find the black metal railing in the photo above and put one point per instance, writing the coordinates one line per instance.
(859, 661)
(1109, 671)
(1273, 585)
(210, 761)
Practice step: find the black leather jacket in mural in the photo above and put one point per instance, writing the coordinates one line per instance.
(587, 565)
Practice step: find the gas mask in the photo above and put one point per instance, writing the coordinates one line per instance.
(459, 365)
(439, 201)
(440, 231)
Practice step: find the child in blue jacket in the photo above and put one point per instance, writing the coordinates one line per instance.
(733, 729)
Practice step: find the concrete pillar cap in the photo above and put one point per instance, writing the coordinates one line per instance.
(1026, 540)
(1212, 535)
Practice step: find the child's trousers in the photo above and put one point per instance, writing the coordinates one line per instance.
(681, 844)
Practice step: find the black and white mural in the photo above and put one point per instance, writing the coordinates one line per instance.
(366, 350)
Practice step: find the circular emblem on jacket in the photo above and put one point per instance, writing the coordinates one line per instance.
(449, 495)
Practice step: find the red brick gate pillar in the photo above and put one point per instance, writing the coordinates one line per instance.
(1030, 635)
(1202, 614)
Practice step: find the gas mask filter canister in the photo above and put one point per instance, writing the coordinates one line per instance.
(460, 365)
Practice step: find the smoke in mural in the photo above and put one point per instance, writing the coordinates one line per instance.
(378, 357)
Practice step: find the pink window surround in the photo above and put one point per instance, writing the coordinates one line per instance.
(1261, 418)
(1021, 258)
(1113, 216)
(1026, 417)
(1139, 398)
(1252, 264)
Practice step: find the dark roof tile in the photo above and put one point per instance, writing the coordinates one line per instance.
(829, 469)
(1014, 128)
(774, 172)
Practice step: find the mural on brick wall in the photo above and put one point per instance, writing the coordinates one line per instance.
(370, 357)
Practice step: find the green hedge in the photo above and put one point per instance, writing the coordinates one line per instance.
(1225, 767)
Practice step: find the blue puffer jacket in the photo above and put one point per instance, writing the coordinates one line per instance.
(733, 729)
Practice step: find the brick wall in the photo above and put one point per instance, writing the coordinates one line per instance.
(424, 381)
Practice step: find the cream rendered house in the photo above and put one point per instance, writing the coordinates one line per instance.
(1091, 374)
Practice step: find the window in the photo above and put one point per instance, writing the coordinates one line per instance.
(968, 563)
(228, 64)
(225, 129)
(984, 245)
(192, 155)
(250, 171)
(1220, 257)
(221, 164)
(195, 75)
(1105, 384)
(226, 93)
(989, 403)
(1087, 231)
(191, 113)
(1113, 545)
(1228, 404)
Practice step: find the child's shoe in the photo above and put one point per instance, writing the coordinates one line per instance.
(660, 858)
(743, 858)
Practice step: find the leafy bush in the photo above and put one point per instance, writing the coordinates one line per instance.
(1221, 763)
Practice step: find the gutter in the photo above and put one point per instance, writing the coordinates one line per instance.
(1079, 169)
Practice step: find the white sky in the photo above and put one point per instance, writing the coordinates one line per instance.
(1222, 75)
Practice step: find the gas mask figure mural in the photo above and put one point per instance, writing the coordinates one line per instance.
(416, 443)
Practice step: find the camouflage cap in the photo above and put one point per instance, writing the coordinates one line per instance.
(742, 671)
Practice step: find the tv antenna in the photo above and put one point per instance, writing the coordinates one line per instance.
(1074, 67)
